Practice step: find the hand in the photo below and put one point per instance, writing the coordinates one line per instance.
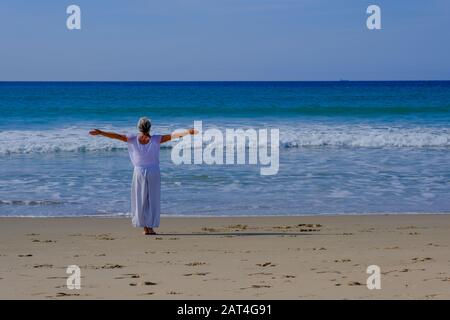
(192, 131)
(95, 132)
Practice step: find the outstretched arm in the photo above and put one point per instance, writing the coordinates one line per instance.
(111, 135)
(177, 135)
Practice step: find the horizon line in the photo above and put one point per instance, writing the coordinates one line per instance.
(142, 81)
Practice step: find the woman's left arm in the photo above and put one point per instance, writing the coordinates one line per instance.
(168, 137)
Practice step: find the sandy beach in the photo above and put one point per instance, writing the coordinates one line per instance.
(228, 258)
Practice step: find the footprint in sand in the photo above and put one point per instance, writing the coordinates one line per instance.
(355, 283)
(238, 227)
(112, 266)
(174, 292)
(257, 286)
(336, 272)
(367, 230)
(309, 225)
(107, 266)
(128, 276)
(260, 274)
(43, 241)
(422, 259)
(146, 294)
(195, 263)
(402, 270)
(25, 255)
(196, 274)
(342, 260)
(406, 228)
(43, 266)
(266, 264)
(433, 244)
(104, 237)
(63, 294)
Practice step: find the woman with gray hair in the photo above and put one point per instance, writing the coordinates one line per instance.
(146, 185)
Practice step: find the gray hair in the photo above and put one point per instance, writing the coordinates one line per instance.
(144, 125)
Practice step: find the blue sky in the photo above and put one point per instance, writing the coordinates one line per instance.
(224, 40)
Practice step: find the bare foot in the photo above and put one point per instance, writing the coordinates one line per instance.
(148, 231)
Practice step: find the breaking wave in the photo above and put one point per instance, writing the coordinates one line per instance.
(77, 140)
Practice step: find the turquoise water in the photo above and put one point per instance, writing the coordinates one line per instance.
(345, 147)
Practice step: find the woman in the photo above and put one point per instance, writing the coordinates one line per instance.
(146, 185)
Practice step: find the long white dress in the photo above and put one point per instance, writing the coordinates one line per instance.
(146, 184)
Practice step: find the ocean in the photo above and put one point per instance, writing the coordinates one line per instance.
(345, 147)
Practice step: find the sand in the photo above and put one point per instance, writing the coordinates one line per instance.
(227, 258)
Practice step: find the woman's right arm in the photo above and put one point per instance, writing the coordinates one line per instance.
(110, 135)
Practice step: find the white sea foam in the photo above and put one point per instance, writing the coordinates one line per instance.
(366, 137)
(51, 141)
(78, 139)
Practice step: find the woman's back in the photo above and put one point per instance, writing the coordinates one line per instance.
(144, 155)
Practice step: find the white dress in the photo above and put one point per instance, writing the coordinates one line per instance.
(146, 184)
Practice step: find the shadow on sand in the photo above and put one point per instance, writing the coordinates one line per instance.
(244, 234)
